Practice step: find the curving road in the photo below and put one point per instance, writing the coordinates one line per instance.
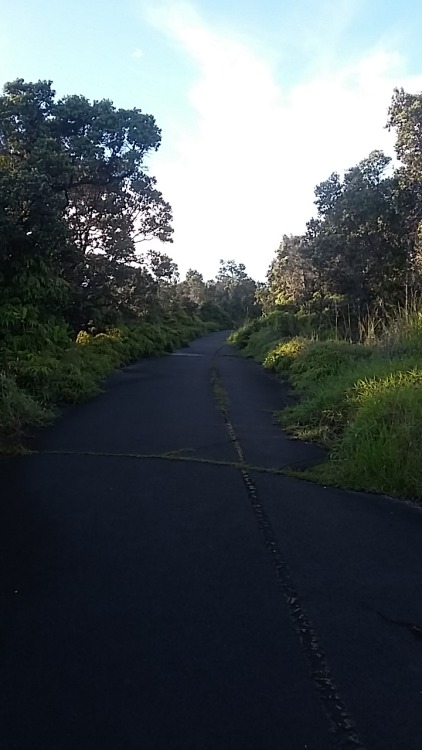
(159, 590)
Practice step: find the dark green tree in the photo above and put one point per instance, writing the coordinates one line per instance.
(358, 244)
(74, 199)
(290, 278)
(235, 291)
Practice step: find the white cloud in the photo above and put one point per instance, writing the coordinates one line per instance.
(245, 172)
(137, 53)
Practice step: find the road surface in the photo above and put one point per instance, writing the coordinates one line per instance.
(160, 591)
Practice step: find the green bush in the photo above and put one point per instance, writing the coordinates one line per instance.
(326, 359)
(380, 447)
(18, 411)
(256, 338)
(282, 356)
(241, 336)
(58, 371)
(363, 402)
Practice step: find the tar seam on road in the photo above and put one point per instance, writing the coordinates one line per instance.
(341, 724)
(168, 456)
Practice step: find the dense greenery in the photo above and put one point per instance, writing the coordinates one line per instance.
(35, 382)
(229, 298)
(77, 297)
(363, 402)
(361, 256)
(341, 318)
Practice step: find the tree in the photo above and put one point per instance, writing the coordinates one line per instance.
(230, 271)
(111, 200)
(290, 278)
(74, 197)
(36, 248)
(193, 291)
(358, 244)
(235, 291)
(358, 254)
(405, 115)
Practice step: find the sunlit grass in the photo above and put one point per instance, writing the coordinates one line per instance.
(33, 383)
(361, 401)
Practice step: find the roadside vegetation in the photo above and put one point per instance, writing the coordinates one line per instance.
(363, 402)
(34, 384)
(78, 296)
(342, 319)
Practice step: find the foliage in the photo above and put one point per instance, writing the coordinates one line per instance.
(235, 291)
(379, 449)
(362, 253)
(33, 385)
(405, 116)
(283, 355)
(77, 298)
(74, 197)
(341, 317)
(361, 401)
(258, 337)
(17, 410)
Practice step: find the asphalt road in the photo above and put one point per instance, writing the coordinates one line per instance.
(159, 591)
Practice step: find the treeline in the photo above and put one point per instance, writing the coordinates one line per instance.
(76, 201)
(77, 297)
(361, 257)
(343, 319)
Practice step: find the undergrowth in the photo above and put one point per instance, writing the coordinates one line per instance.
(363, 402)
(35, 381)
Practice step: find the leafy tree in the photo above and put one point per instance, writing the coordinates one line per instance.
(35, 247)
(74, 199)
(362, 251)
(195, 287)
(290, 278)
(231, 272)
(358, 244)
(405, 115)
(235, 291)
(111, 200)
(193, 292)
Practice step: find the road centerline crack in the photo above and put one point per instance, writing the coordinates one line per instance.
(341, 724)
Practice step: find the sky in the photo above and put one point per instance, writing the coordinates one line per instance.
(258, 100)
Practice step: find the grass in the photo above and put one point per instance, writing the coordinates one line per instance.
(18, 410)
(361, 401)
(35, 383)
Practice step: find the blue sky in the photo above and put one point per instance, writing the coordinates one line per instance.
(258, 101)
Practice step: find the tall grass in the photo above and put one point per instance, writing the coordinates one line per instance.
(363, 402)
(36, 382)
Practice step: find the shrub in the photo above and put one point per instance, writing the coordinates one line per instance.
(380, 447)
(61, 371)
(282, 356)
(363, 402)
(325, 359)
(18, 410)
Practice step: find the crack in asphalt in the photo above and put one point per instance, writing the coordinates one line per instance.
(283, 471)
(412, 627)
(341, 724)
(167, 456)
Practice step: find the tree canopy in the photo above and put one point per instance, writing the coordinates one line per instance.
(362, 251)
(77, 205)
